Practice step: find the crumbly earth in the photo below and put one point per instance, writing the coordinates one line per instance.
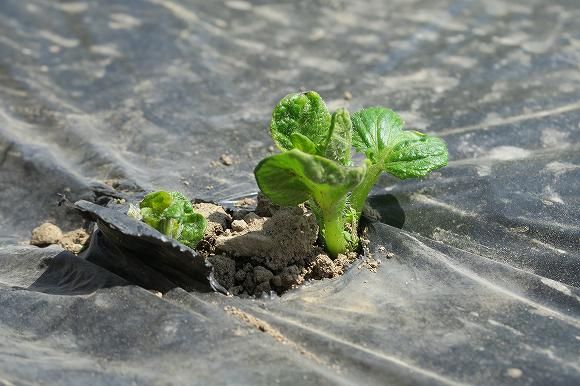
(218, 220)
(75, 241)
(49, 234)
(277, 241)
(258, 254)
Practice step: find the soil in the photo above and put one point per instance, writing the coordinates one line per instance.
(49, 234)
(275, 251)
(265, 327)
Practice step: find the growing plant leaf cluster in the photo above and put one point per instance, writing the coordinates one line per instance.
(315, 164)
(172, 214)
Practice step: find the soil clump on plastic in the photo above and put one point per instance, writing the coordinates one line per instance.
(49, 234)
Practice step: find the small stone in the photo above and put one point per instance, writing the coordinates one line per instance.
(226, 159)
(262, 274)
(347, 95)
(514, 372)
(46, 234)
(239, 225)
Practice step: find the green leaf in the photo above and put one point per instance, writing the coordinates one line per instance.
(302, 142)
(303, 113)
(375, 129)
(292, 177)
(193, 229)
(172, 214)
(150, 218)
(415, 155)
(157, 201)
(339, 140)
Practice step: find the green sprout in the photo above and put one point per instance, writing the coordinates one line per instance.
(315, 164)
(172, 214)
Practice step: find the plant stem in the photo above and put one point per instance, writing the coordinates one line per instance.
(333, 231)
(361, 192)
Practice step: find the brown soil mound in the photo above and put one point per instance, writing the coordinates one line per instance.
(254, 254)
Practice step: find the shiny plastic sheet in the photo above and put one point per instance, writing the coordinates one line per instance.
(480, 263)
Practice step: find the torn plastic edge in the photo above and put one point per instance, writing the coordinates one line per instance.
(183, 257)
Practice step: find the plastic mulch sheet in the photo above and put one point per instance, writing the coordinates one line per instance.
(479, 281)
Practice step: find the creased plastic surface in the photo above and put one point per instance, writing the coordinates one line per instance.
(483, 285)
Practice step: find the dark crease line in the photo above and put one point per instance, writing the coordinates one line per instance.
(385, 357)
(5, 153)
(510, 120)
(492, 286)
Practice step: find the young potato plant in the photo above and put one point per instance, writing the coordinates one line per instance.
(315, 164)
(172, 214)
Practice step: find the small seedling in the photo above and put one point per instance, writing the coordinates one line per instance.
(172, 214)
(315, 164)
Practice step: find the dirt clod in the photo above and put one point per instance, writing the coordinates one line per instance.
(262, 288)
(75, 241)
(291, 276)
(371, 264)
(239, 214)
(239, 225)
(247, 202)
(251, 217)
(240, 275)
(217, 218)
(45, 235)
(262, 275)
(323, 266)
(276, 281)
(49, 234)
(224, 270)
(265, 207)
(226, 159)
